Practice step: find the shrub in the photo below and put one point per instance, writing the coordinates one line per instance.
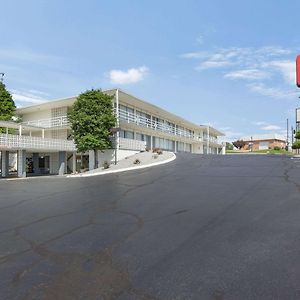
(297, 135)
(277, 148)
(296, 145)
(106, 165)
(157, 150)
(136, 161)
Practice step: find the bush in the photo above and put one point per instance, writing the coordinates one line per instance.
(137, 161)
(229, 146)
(297, 135)
(277, 148)
(296, 145)
(157, 150)
(106, 165)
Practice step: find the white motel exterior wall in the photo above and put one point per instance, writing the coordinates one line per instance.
(142, 125)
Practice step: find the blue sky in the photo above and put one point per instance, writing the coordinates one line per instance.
(229, 64)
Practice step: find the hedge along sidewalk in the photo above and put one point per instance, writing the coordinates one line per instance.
(146, 160)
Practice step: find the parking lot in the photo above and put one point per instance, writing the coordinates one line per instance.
(200, 227)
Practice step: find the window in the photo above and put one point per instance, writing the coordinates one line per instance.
(126, 113)
(180, 146)
(140, 137)
(127, 134)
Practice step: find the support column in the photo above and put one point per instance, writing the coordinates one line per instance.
(4, 163)
(35, 160)
(175, 147)
(223, 148)
(61, 162)
(151, 142)
(117, 134)
(21, 163)
(208, 137)
(91, 159)
(74, 162)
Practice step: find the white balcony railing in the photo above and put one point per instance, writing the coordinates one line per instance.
(129, 144)
(127, 117)
(153, 124)
(49, 123)
(212, 139)
(15, 142)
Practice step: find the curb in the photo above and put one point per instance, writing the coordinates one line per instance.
(94, 174)
(125, 169)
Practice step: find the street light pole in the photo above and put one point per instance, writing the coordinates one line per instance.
(287, 134)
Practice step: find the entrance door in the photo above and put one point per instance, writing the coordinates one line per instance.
(44, 164)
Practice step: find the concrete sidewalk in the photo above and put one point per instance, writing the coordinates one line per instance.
(146, 159)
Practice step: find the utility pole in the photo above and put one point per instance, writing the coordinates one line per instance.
(287, 134)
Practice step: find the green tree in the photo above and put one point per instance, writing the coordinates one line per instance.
(91, 118)
(7, 105)
(296, 145)
(229, 146)
(297, 135)
(239, 144)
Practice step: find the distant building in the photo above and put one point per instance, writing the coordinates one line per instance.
(263, 141)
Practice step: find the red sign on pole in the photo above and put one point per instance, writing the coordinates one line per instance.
(298, 71)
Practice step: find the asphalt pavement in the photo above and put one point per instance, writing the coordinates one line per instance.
(200, 227)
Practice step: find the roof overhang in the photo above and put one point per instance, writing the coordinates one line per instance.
(126, 98)
(212, 130)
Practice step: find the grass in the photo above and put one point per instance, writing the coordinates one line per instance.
(267, 151)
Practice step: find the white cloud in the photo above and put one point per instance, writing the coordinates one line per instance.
(199, 39)
(132, 75)
(27, 55)
(200, 54)
(230, 136)
(212, 64)
(23, 97)
(250, 74)
(259, 123)
(271, 127)
(269, 65)
(225, 128)
(286, 68)
(262, 89)
(38, 92)
(274, 51)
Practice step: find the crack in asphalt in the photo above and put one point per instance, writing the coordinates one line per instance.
(106, 279)
(99, 272)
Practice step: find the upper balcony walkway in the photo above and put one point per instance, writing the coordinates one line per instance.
(130, 118)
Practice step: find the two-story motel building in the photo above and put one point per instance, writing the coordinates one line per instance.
(42, 142)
